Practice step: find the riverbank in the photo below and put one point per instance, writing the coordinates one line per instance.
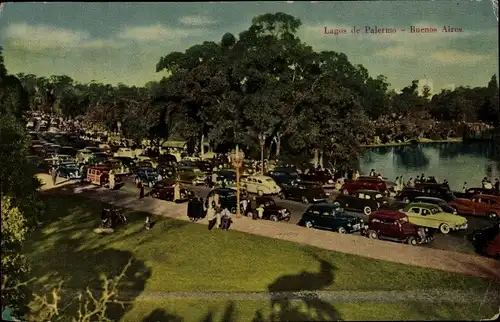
(420, 141)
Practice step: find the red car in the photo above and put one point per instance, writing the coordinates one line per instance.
(479, 205)
(351, 186)
(493, 248)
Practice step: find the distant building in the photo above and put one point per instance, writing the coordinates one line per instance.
(422, 83)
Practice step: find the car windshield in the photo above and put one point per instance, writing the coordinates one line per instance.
(434, 210)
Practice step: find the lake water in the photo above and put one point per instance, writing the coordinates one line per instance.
(457, 162)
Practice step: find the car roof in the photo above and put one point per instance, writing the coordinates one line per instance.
(429, 198)
(422, 205)
(388, 214)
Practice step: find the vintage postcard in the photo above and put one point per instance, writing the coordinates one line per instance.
(352, 148)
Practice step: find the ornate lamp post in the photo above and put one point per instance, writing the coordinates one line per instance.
(262, 140)
(237, 157)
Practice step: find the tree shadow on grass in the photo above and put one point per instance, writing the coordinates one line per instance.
(160, 315)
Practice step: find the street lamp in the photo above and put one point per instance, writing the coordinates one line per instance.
(262, 139)
(237, 157)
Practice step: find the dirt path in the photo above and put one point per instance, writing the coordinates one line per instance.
(469, 264)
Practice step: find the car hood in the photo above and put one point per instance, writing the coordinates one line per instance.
(346, 217)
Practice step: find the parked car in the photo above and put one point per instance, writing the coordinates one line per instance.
(99, 175)
(432, 186)
(127, 162)
(486, 240)
(351, 186)
(395, 226)
(261, 185)
(83, 155)
(330, 217)
(479, 205)
(125, 152)
(363, 200)
(204, 166)
(148, 176)
(164, 190)
(471, 192)
(167, 159)
(283, 176)
(192, 175)
(438, 202)
(307, 192)
(322, 176)
(117, 165)
(98, 158)
(432, 216)
(227, 198)
(409, 194)
(271, 210)
(69, 171)
(166, 170)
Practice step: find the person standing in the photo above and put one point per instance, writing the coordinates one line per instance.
(111, 179)
(141, 190)
(356, 175)
(177, 191)
(464, 188)
(260, 211)
(54, 175)
(372, 173)
(497, 186)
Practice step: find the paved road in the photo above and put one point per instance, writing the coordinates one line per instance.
(455, 241)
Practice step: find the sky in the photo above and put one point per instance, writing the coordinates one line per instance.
(123, 41)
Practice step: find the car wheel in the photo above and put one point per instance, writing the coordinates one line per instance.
(250, 215)
(260, 193)
(411, 241)
(367, 210)
(305, 201)
(274, 218)
(372, 234)
(444, 228)
(342, 230)
(492, 215)
(233, 210)
(309, 224)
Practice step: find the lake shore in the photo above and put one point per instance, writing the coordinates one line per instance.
(421, 141)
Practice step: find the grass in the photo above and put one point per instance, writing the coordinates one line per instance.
(177, 256)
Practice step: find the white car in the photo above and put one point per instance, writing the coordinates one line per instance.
(261, 185)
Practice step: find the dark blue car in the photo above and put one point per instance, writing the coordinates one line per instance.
(148, 176)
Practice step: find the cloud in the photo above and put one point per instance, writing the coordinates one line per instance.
(397, 52)
(454, 57)
(197, 21)
(39, 38)
(157, 32)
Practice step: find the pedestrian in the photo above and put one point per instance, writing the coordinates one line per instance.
(54, 175)
(488, 185)
(225, 220)
(260, 211)
(244, 205)
(147, 223)
(422, 178)
(372, 173)
(111, 179)
(464, 188)
(214, 177)
(417, 180)
(379, 176)
(396, 185)
(410, 183)
(141, 190)
(356, 175)
(177, 192)
(483, 183)
(497, 185)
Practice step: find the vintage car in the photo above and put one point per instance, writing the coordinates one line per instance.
(166, 170)
(125, 152)
(141, 164)
(395, 226)
(271, 210)
(351, 186)
(204, 166)
(99, 175)
(98, 158)
(68, 150)
(479, 205)
(307, 192)
(323, 176)
(64, 158)
(69, 171)
(471, 192)
(438, 202)
(486, 240)
(191, 175)
(331, 217)
(261, 185)
(167, 159)
(432, 216)
(363, 200)
(147, 175)
(409, 194)
(117, 165)
(227, 198)
(127, 162)
(283, 176)
(164, 190)
(432, 186)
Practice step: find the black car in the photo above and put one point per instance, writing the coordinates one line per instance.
(330, 217)
(471, 192)
(481, 238)
(227, 198)
(164, 190)
(166, 170)
(325, 177)
(283, 176)
(363, 200)
(409, 194)
(271, 210)
(437, 201)
(307, 192)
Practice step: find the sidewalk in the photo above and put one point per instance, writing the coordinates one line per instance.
(469, 264)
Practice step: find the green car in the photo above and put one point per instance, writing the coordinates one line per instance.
(432, 216)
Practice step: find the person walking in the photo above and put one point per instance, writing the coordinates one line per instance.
(111, 179)
(211, 215)
(372, 173)
(464, 188)
(260, 211)
(410, 183)
(141, 190)
(53, 174)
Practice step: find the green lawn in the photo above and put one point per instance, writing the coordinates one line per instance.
(181, 256)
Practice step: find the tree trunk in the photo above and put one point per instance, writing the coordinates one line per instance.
(277, 141)
(316, 157)
(269, 151)
(202, 148)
